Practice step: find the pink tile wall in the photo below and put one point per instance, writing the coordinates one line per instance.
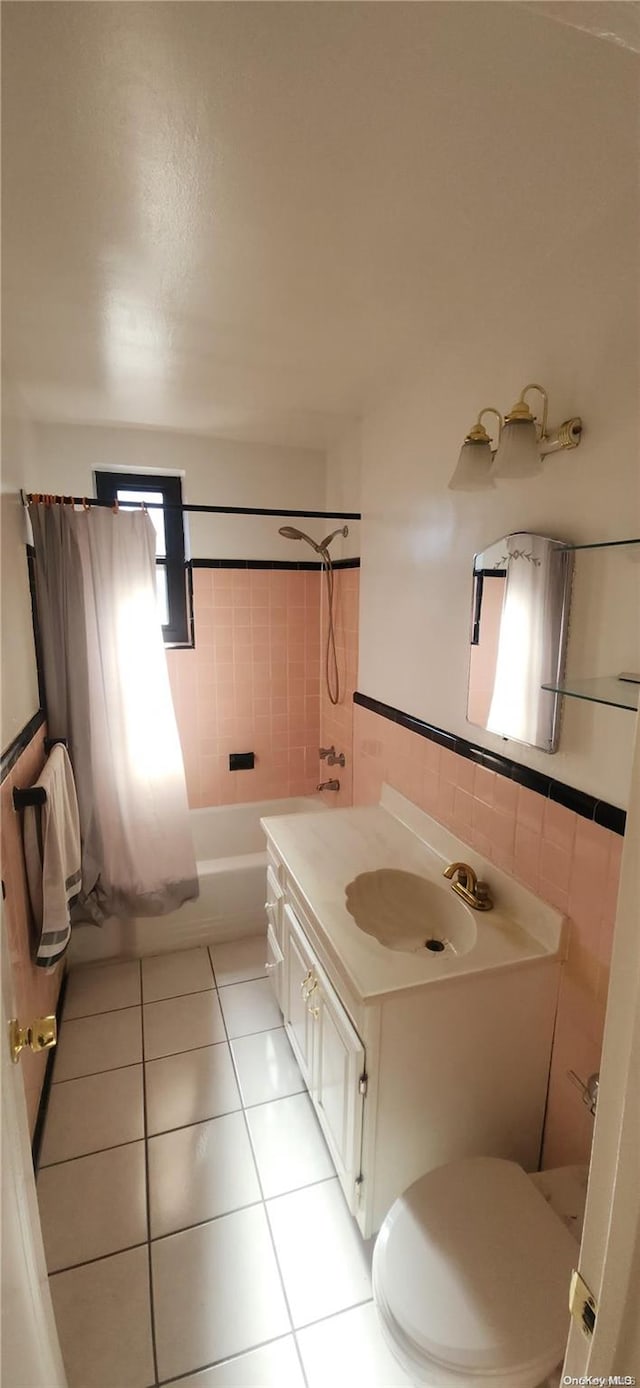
(35, 993)
(250, 685)
(569, 861)
(336, 720)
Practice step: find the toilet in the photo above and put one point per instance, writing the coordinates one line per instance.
(471, 1272)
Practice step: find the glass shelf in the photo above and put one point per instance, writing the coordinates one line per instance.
(603, 544)
(605, 690)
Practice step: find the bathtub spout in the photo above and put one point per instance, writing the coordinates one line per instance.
(328, 785)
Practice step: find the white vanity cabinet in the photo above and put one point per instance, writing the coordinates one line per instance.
(402, 1078)
(329, 1052)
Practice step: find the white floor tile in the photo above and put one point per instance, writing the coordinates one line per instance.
(348, 1351)
(267, 1068)
(217, 1292)
(326, 1269)
(187, 1088)
(103, 1317)
(273, 1366)
(200, 1172)
(238, 961)
(182, 1024)
(99, 1043)
(289, 1148)
(93, 1205)
(90, 1114)
(249, 1007)
(169, 975)
(102, 988)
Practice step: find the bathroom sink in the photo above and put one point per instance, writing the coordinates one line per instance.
(410, 913)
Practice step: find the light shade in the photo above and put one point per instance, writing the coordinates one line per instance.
(473, 472)
(518, 452)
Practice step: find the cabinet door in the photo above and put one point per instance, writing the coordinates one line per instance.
(298, 1019)
(273, 905)
(274, 966)
(338, 1086)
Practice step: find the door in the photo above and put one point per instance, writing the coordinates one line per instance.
(299, 974)
(610, 1250)
(30, 1350)
(339, 1086)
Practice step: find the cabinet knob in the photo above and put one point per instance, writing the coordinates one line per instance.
(315, 1011)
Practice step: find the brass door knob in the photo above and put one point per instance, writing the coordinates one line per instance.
(41, 1035)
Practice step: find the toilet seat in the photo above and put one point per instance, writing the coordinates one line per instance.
(471, 1277)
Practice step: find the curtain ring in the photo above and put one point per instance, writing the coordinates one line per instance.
(85, 504)
(116, 506)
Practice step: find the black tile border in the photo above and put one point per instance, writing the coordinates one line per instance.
(311, 565)
(587, 806)
(20, 743)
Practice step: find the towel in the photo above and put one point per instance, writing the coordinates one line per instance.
(52, 857)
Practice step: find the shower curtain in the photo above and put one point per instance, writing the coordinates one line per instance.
(107, 691)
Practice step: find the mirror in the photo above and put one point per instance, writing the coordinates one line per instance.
(521, 587)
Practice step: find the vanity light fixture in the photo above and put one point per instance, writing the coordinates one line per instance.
(473, 472)
(522, 444)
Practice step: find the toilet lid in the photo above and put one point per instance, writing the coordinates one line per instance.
(474, 1268)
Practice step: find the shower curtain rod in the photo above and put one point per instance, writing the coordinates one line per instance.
(201, 510)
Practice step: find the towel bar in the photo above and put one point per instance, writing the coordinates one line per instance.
(50, 742)
(33, 795)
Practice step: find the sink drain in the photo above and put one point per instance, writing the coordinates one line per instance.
(436, 946)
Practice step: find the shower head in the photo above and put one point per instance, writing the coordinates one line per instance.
(342, 530)
(290, 533)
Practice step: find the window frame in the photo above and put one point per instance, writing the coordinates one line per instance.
(178, 631)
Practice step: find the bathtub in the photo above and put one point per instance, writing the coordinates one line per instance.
(231, 857)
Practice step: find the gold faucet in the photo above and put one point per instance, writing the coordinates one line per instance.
(467, 886)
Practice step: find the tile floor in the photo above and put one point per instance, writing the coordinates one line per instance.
(194, 1229)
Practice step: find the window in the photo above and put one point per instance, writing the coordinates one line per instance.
(131, 489)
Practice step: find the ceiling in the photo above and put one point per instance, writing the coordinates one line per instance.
(243, 219)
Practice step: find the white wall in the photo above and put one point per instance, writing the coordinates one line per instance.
(19, 680)
(570, 322)
(215, 472)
